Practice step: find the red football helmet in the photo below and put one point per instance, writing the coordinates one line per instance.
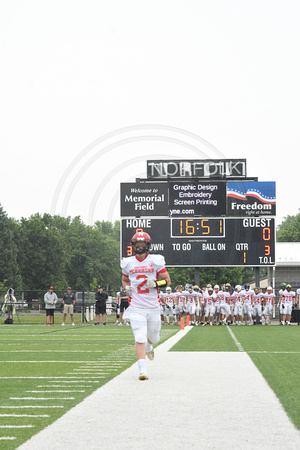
(140, 236)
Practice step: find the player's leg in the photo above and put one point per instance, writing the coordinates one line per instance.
(138, 323)
(153, 332)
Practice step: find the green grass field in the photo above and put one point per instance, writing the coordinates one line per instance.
(45, 371)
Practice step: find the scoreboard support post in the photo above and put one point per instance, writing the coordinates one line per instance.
(257, 277)
(197, 276)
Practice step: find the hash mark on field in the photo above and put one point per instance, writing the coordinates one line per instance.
(265, 351)
(60, 386)
(57, 390)
(74, 381)
(237, 343)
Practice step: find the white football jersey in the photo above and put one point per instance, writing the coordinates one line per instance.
(168, 298)
(191, 297)
(210, 299)
(257, 298)
(222, 297)
(288, 297)
(138, 272)
(247, 296)
(269, 298)
(238, 298)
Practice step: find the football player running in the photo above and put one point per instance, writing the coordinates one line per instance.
(142, 276)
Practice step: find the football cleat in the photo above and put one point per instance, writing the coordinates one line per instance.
(143, 377)
(150, 355)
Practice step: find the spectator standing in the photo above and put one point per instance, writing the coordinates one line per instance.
(50, 299)
(118, 307)
(9, 306)
(100, 302)
(69, 303)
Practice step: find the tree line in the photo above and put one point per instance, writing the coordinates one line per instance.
(45, 250)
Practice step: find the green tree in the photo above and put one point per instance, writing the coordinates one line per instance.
(93, 254)
(9, 268)
(42, 253)
(289, 229)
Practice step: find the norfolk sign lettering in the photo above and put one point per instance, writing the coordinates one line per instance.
(205, 168)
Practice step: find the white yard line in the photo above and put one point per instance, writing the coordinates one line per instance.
(192, 400)
(237, 343)
(17, 426)
(24, 415)
(80, 379)
(31, 406)
(41, 398)
(52, 351)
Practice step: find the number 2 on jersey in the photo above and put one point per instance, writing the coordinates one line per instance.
(140, 288)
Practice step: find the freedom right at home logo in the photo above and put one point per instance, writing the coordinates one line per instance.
(251, 198)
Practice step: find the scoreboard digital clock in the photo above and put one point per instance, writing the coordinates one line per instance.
(197, 227)
(206, 241)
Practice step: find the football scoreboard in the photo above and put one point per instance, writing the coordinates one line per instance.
(220, 218)
(205, 242)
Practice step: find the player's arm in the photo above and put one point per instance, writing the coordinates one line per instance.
(164, 276)
(125, 281)
(126, 284)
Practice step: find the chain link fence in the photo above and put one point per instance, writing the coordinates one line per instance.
(30, 306)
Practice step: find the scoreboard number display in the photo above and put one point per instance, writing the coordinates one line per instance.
(206, 241)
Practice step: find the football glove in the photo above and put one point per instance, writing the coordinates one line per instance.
(155, 284)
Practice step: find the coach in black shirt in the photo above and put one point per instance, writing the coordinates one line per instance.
(100, 303)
